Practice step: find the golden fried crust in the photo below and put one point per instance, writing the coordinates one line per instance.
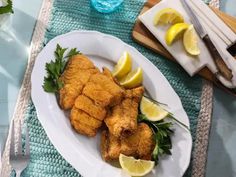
(114, 147)
(80, 62)
(83, 129)
(81, 116)
(107, 73)
(110, 86)
(146, 142)
(68, 95)
(140, 144)
(135, 93)
(77, 73)
(97, 94)
(123, 118)
(84, 123)
(87, 105)
(129, 144)
(105, 145)
(110, 146)
(72, 75)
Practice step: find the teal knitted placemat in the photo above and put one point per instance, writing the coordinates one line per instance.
(68, 15)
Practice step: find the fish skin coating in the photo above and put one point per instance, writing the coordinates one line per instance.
(87, 105)
(122, 121)
(139, 145)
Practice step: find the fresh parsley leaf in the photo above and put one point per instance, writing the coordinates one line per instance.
(7, 9)
(73, 52)
(49, 86)
(52, 82)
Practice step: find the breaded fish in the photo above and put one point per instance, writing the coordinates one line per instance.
(68, 95)
(84, 123)
(89, 93)
(77, 73)
(102, 83)
(122, 121)
(87, 105)
(98, 94)
(139, 145)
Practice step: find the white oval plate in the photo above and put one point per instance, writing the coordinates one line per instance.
(83, 153)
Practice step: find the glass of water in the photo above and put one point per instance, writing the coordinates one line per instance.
(106, 6)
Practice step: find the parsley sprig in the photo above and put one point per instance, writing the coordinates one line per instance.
(7, 9)
(162, 135)
(52, 82)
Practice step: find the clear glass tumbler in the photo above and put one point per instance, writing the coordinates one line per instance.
(106, 6)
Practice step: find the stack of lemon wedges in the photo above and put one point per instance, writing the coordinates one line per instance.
(178, 29)
(123, 72)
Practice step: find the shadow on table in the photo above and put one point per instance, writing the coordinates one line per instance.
(220, 160)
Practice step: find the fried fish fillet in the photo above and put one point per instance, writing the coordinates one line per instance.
(84, 123)
(93, 103)
(77, 73)
(68, 95)
(89, 93)
(122, 120)
(139, 145)
(103, 90)
(98, 94)
(87, 105)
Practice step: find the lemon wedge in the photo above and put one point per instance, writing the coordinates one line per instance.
(135, 167)
(175, 32)
(152, 111)
(168, 16)
(123, 66)
(133, 79)
(190, 41)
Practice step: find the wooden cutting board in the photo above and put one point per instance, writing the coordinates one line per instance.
(142, 35)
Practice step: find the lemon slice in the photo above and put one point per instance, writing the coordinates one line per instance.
(135, 167)
(175, 32)
(152, 111)
(123, 66)
(168, 16)
(133, 79)
(190, 41)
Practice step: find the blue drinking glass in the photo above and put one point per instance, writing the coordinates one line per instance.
(106, 6)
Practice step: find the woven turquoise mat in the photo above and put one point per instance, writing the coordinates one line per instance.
(70, 15)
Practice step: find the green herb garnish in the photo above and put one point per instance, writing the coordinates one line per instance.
(162, 136)
(7, 9)
(52, 82)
